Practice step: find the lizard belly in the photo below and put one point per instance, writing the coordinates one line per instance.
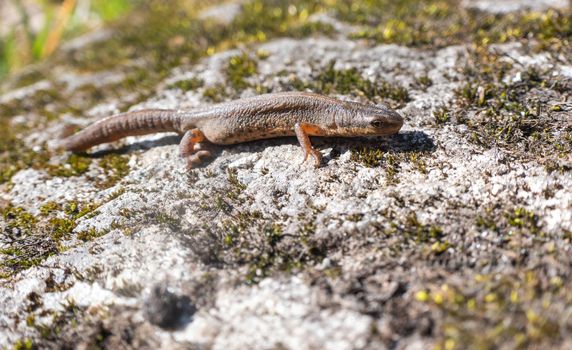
(225, 131)
(244, 135)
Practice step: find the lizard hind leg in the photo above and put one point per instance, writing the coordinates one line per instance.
(190, 147)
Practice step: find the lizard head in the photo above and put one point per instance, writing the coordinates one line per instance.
(371, 120)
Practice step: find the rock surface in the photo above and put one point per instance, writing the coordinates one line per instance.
(427, 238)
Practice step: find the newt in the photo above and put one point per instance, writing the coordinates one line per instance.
(266, 116)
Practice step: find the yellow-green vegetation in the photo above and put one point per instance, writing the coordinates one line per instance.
(59, 321)
(249, 238)
(351, 82)
(505, 302)
(518, 222)
(439, 23)
(61, 20)
(510, 114)
(161, 218)
(24, 344)
(90, 234)
(441, 115)
(412, 231)
(373, 157)
(75, 165)
(115, 167)
(35, 238)
(510, 306)
(423, 81)
(261, 20)
(239, 68)
(187, 85)
(214, 93)
(14, 155)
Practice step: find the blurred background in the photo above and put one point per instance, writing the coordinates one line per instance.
(31, 30)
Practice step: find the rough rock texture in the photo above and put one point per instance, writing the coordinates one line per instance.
(448, 234)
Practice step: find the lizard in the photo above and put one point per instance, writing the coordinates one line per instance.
(302, 114)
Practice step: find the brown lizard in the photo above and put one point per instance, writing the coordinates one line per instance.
(266, 116)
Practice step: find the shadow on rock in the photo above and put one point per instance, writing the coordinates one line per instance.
(168, 310)
(404, 142)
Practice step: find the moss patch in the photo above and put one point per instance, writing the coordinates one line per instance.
(35, 238)
(74, 165)
(500, 297)
(248, 238)
(239, 68)
(187, 85)
(351, 82)
(513, 115)
(439, 23)
(115, 167)
(372, 157)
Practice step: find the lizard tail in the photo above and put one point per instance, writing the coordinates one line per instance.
(126, 124)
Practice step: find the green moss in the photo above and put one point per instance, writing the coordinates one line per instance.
(28, 77)
(442, 115)
(15, 155)
(49, 208)
(350, 81)
(373, 157)
(355, 217)
(163, 219)
(508, 114)
(236, 185)
(187, 85)
(252, 240)
(75, 165)
(440, 23)
(423, 81)
(35, 238)
(61, 228)
(24, 344)
(421, 233)
(60, 320)
(524, 220)
(91, 234)
(280, 18)
(115, 167)
(45, 103)
(368, 156)
(75, 209)
(501, 311)
(262, 54)
(215, 93)
(18, 218)
(242, 237)
(239, 68)
(392, 167)
(440, 247)
(418, 160)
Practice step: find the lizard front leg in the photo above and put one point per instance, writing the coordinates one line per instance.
(303, 132)
(189, 148)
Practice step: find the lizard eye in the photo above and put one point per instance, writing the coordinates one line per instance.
(378, 124)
